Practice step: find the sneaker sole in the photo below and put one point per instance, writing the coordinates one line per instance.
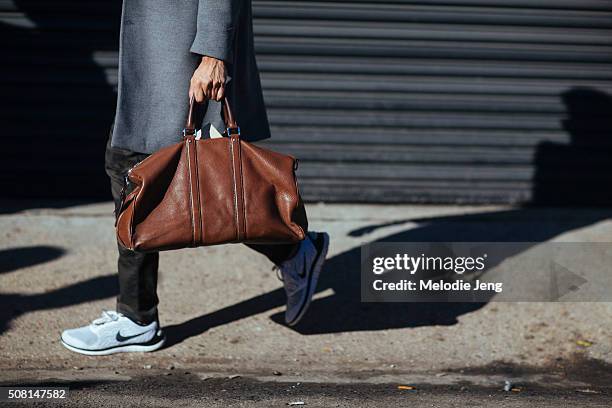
(323, 246)
(128, 348)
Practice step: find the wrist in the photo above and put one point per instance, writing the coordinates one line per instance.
(209, 59)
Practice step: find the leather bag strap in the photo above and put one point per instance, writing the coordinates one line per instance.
(228, 117)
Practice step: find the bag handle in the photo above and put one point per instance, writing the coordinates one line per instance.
(231, 127)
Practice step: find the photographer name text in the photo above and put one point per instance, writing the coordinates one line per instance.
(433, 285)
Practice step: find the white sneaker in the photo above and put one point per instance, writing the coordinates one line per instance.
(113, 333)
(301, 273)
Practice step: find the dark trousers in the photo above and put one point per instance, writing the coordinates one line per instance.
(138, 272)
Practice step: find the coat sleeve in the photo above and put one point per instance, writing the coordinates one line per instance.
(216, 24)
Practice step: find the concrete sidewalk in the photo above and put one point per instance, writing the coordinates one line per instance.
(222, 308)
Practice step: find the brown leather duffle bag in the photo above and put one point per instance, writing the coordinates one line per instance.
(210, 191)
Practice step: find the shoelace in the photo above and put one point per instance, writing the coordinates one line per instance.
(277, 269)
(290, 285)
(106, 317)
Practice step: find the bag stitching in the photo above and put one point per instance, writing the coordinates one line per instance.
(187, 143)
(234, 187)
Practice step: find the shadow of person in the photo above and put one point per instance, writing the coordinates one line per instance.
(57, 102)
(13, 305)
(578, 173)
(343, 310)
(16, 258)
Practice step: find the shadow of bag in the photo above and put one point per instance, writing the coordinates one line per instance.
(211, 191)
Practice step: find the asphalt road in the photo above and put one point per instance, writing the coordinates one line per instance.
(188, 390)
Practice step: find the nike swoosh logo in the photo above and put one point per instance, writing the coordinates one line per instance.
(121, 338)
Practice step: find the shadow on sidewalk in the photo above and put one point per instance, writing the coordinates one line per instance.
(13, 305)
(17, 258)
(343, 311)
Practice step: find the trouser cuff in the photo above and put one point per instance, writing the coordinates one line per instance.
(139, 316)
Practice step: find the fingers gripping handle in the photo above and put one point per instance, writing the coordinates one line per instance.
(228, 117)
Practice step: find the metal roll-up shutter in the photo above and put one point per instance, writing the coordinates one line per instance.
(441, 100)
(468, 101)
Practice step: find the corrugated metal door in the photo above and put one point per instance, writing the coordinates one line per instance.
(382, 101)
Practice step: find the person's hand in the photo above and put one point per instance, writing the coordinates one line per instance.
(208, 80)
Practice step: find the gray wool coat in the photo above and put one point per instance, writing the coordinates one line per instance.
(161, 42)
